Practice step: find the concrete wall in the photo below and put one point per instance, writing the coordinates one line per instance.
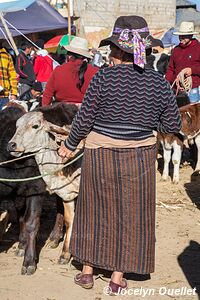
(100, 15)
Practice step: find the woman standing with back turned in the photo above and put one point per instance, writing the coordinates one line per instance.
(114, 225)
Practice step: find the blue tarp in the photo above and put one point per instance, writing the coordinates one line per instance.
(39, 16)
(169, 39)
(14, 5)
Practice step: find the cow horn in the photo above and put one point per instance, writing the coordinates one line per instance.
(49, 127)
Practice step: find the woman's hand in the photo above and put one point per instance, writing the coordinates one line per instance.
(65, 152)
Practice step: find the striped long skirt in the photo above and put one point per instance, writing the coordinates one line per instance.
(114, 225)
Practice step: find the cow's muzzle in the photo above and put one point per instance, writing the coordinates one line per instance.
(11, 146)
(13, 149)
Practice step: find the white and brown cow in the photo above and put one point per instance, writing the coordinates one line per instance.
(190, 132)
(36, 135)
(171, 143)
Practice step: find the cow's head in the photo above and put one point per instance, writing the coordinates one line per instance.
(33, 133)
(189, 124)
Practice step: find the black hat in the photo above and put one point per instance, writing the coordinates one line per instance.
(130, 35)
(39, 43)
(156, 43)
(132, 23)
(37, 86)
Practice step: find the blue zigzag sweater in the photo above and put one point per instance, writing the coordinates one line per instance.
(123, 103)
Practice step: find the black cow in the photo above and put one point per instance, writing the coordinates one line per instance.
(28, 195)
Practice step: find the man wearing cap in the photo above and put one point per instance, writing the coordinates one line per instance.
(185, 58)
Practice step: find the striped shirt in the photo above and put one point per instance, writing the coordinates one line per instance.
(126, 104)
(8, 75)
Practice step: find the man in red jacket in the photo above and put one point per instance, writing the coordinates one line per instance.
(185, 58)
(43, 64)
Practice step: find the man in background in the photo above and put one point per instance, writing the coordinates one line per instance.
(184, 65)
(24, 68)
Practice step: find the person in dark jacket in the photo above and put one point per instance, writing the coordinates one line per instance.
(185, 59)
(24, 68)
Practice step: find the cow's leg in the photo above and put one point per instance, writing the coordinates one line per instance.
(176, 160)
(22, 233)
(68, 218)
(166, 158)
(32, 223)
(4, 216)
(197, 141)
(57, 232)
(22, 238)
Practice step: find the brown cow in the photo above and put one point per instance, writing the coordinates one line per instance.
(190, 131)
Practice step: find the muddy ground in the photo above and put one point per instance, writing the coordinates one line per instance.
(177, 254)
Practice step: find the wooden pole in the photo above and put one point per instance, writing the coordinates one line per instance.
(69, 20)
(9, 34)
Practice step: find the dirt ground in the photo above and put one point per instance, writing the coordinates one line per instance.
(177, 255)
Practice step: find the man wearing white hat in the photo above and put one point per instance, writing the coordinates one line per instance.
(185, 61)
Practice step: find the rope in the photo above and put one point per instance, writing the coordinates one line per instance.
(186, 82)
(6, 38)
(29, 40)
(182, 82)
(22, 157)
(42, 175)
(15, 159)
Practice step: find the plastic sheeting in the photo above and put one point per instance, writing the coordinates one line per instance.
(169, 39)
(39, 16)
(14, 5)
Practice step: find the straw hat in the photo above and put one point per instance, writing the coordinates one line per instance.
(186, 28)
(79, 46)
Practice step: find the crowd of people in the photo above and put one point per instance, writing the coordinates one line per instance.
(69, 82)
(121, 108)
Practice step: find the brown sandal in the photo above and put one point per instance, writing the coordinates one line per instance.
(84, 280)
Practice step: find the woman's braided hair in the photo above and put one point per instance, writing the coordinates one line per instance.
(82, 69)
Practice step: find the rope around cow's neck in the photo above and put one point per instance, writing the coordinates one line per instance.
(24, 156)
(42, 175)
(15, 159)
